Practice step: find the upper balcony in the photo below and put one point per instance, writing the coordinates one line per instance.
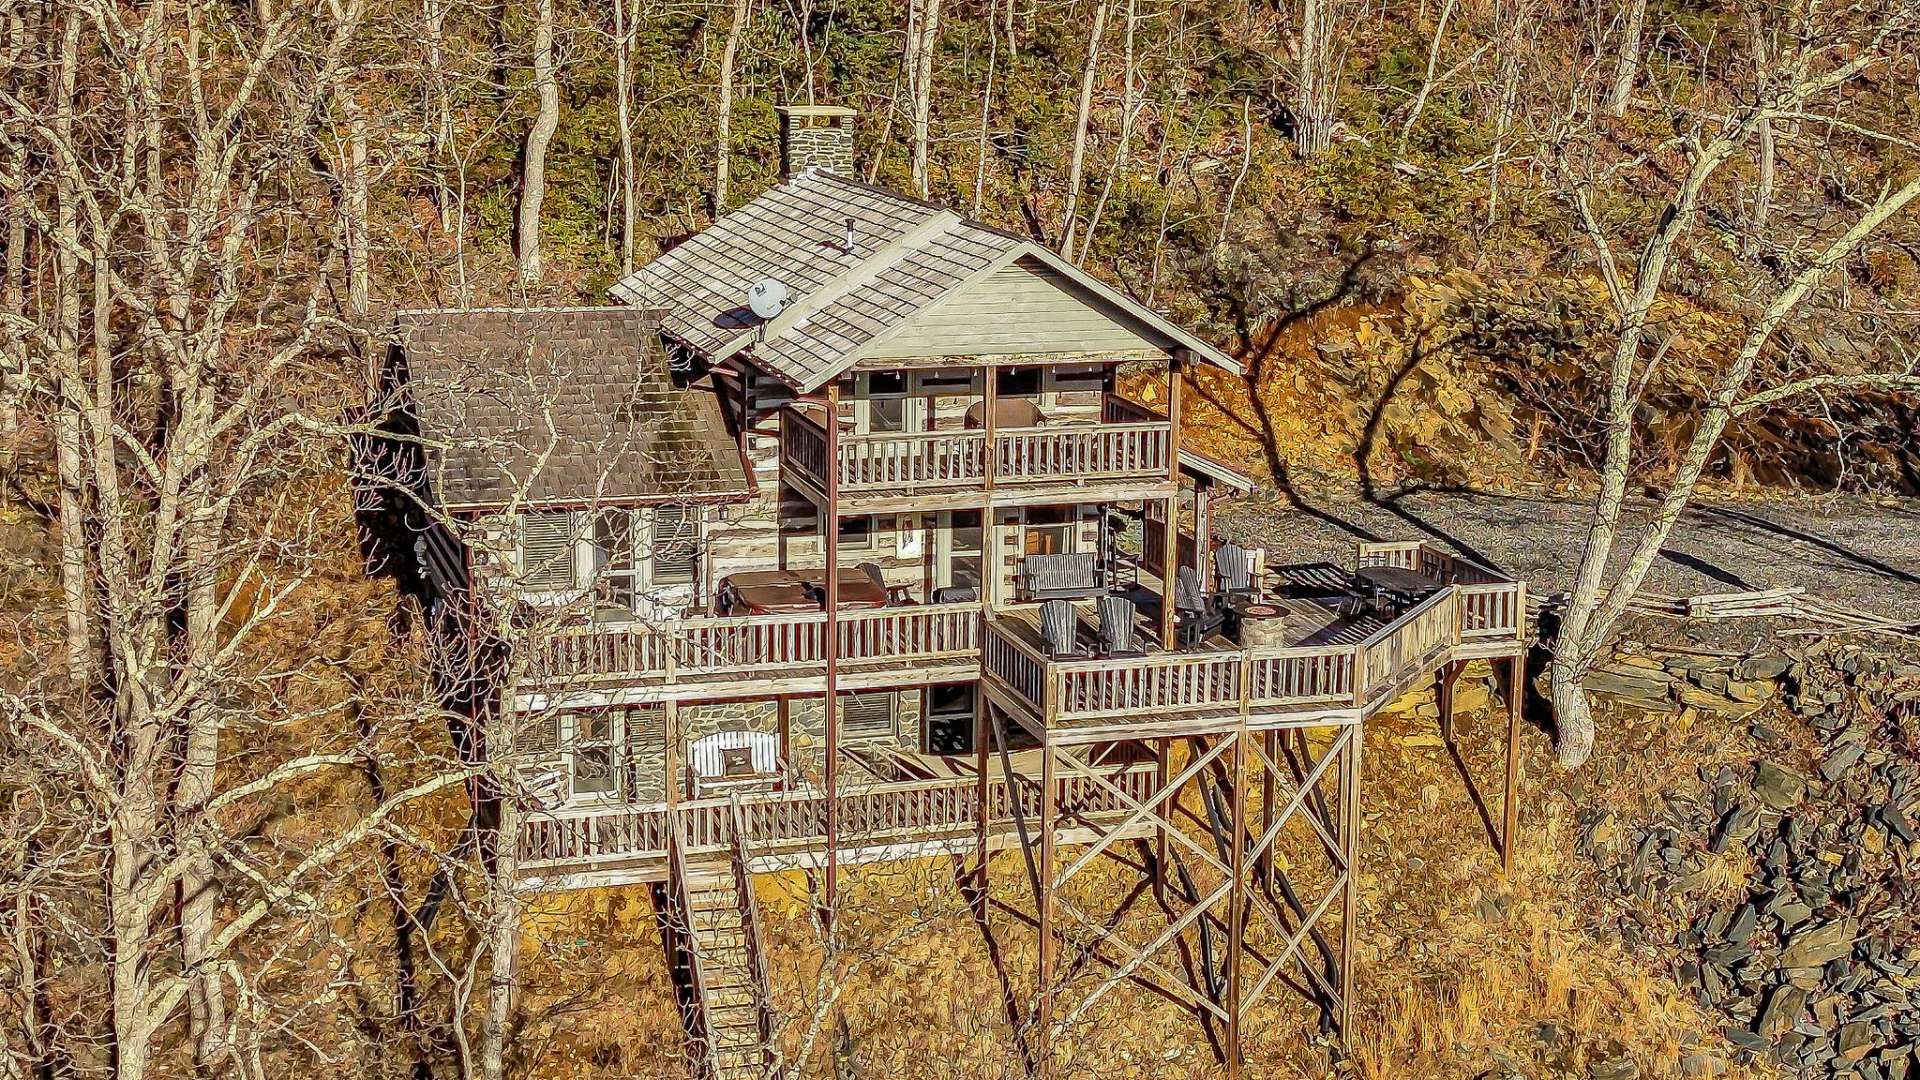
(904, 471)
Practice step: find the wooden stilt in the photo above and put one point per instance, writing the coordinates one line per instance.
(1237, 901)
(982, 740)
(831, 769)
(1510, 799)
(1043, 1015)
(1170, 559)
(1443, 684)
(1350, 915)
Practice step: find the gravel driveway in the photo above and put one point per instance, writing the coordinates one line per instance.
(1860, 553)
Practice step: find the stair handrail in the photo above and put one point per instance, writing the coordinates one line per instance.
(750, 928)
(700, 1030)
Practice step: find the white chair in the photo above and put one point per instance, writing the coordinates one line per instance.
(732, 761)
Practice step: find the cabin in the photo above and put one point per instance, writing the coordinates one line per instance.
(836, 539)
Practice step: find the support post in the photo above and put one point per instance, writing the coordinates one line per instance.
(1043, 1013)
(1169, 574)
(990, 424)
(1202, 531)
(1350, 837)
(1510, 800)
(670, 718)
(1170, 557)
(831, 770)
(1443, 689)
(982, 793)
(1237, 898)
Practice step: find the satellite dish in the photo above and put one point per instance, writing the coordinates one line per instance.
(768, 298)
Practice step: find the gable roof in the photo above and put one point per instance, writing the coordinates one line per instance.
(559, 406)
(906, 256)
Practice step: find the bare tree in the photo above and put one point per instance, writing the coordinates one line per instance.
(723, 109)
(1811, 82)
(1626, 70)
(175, 365)
(923, 35)
(1082, 120)
(546, 120)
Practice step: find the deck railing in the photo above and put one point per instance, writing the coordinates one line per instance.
(748, 645)
(958, 459)
(783, 822)
(1087, 692)
(1492, 605)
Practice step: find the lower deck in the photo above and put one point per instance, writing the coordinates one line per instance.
(784, 830)
(1309, 652)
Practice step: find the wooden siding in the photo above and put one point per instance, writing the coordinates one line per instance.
(1020, 308)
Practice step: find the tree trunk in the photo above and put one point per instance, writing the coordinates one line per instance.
(354, 207)
(923, 29)
(623, 34)
(1627, 69)
(1083, 118)
(1315, 83)
(723, 135)
(533, 180)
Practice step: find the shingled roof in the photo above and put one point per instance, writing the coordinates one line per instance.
(559, 406)
(905, 257)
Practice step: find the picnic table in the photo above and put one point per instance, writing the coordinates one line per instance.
(1397, 585)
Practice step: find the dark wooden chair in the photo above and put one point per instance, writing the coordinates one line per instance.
(1060, 625)
(1118, 634)
(1059, 577)
(956, 594)
(1196, 614)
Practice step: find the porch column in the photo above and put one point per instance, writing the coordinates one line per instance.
(1170, 557)
(1202, 529)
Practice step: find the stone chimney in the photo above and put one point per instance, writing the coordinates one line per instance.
(815, 137)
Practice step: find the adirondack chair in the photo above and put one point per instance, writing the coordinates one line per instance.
(1117, 636)
(956, 594)
(1196, 614)
(1059, 577)
(1060, 626)
(1234, 565)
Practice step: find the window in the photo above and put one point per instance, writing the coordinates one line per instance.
(676, 545)
(595, 764)
(546, 550)
(856, 533)
(1019, 381)
(887, 414)
(967, 549)
(1049, 531)
(947, 383)
(1068, 380)
(613, 561)
(888, 407)
(866, 717)
(950, 718)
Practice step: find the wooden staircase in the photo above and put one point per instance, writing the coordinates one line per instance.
(711, 928)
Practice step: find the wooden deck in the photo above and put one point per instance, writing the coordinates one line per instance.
(1474, 613)
(584, 846)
